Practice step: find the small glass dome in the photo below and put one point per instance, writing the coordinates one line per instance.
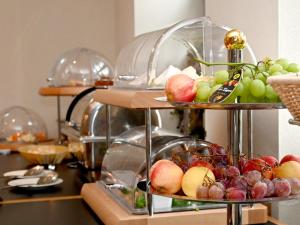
(18, 124)
(80, 67)
(148, 61)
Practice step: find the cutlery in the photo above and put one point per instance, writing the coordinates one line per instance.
(49, 178)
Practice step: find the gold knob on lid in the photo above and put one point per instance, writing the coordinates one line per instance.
(235, 39)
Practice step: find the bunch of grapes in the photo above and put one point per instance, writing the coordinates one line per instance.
(232, 185)
(253, 87)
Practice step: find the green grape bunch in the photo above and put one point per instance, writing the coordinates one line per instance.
(253, 86)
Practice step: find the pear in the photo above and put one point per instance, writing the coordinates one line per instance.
(290, 169)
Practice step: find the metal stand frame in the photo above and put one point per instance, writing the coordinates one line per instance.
(59, 138)
(148, 158)
(235, 131)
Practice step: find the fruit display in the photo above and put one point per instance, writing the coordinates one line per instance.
(252, 87)
(209, 176)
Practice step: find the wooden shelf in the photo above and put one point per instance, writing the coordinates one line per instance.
(133, 99)
(61, 91)
(111, 213)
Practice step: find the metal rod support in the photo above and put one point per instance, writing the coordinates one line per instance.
(229, 214)
(237, 214)
(250, 133)
(234, 120)
(59, 138)
(234, 123)
(108, 125)
(186, 121)
(148, 157)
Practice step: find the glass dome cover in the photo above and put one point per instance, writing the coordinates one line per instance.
(80, 67)
(148, 61)
(18, 124)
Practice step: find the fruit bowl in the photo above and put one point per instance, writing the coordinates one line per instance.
(43, 154)
(204, 172)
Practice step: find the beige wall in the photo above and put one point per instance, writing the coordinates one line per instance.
(34, 33)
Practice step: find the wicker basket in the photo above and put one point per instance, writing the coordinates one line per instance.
(288, 89)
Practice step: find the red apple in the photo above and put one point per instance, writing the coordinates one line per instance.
(165, 177)
(259, 165)
(271, 160)
(202, 163)
(181, 88)
(290, 157)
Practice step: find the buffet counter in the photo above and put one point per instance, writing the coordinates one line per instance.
(63, 204)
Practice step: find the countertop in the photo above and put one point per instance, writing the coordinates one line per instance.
(61, 205)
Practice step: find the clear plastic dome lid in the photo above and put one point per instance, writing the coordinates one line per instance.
(148, 61)
(126, 156)
(80, 67)
(18, 124)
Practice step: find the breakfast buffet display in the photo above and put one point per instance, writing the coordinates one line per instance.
(194, 64)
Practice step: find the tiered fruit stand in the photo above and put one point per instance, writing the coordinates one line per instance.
(145, 100)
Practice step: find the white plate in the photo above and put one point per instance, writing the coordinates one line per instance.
(161, 99)
(20, 174)
(31, 183)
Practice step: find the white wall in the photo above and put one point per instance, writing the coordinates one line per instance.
(34, 33)
(289, 39)
(156, 14)
(289, 135)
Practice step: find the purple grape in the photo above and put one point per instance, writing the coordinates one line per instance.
(282, 187)
(270, 187)
(215, 192)
(252, 177)
(232, 172)
(224, 182)
(220, 172)
(235, 194)
(220, 185)
(259, 190)
(202, 192)
(238, 182)
(295, 185)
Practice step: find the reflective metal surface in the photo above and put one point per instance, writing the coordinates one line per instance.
(232, 106)
(225, 201)
(235, 54)
(95, 124)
